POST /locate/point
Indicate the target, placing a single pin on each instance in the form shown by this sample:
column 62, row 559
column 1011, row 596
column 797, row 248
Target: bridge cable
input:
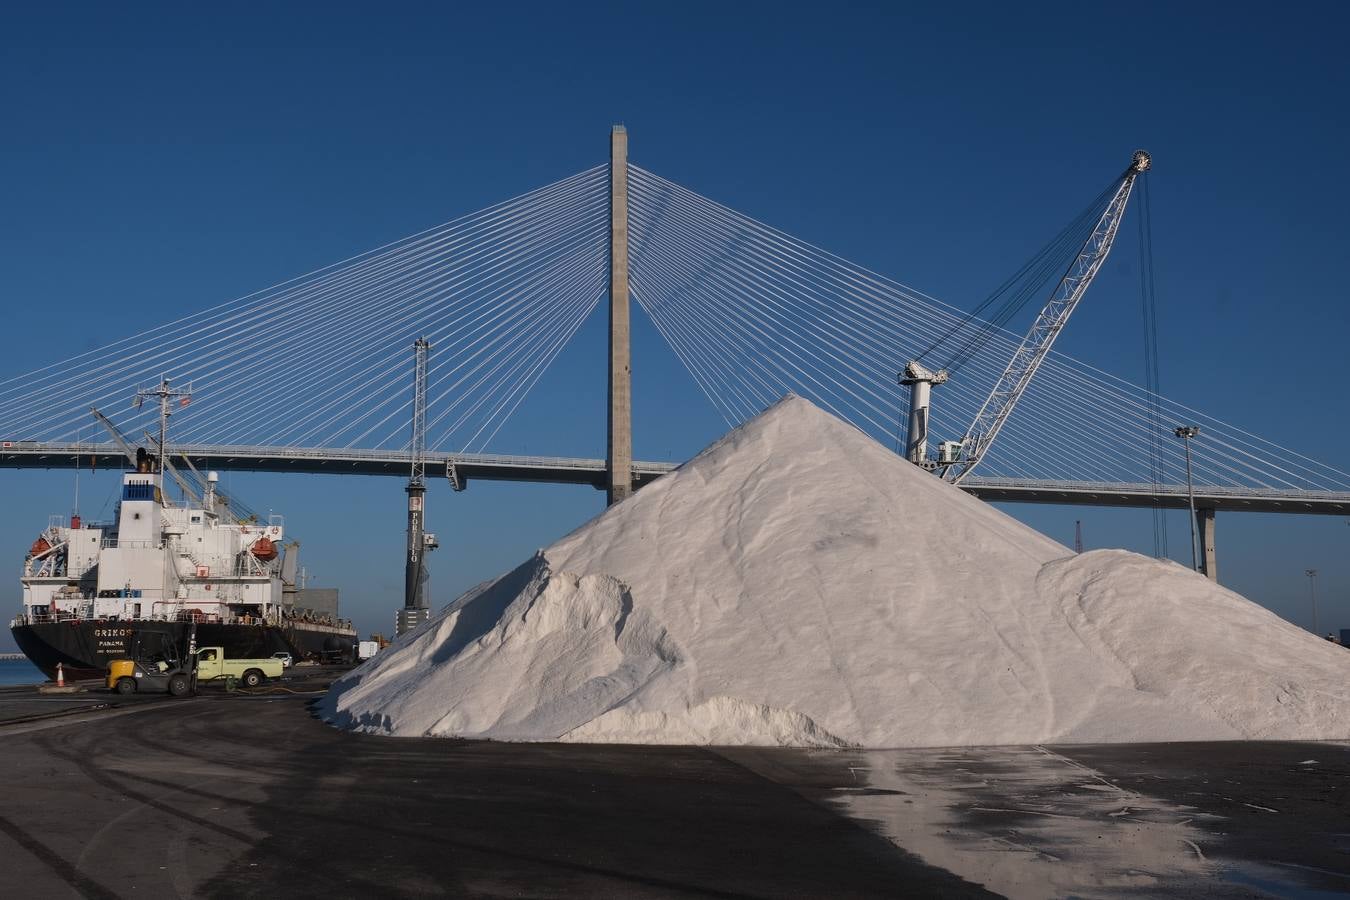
column 751, row 312
column 1152, row 378
column 1024, row 285
column 658, row 319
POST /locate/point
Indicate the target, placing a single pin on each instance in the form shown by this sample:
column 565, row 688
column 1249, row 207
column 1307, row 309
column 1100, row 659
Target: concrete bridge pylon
column 619, row 456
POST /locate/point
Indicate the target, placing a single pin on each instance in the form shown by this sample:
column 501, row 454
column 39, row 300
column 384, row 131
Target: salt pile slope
column 797, row 583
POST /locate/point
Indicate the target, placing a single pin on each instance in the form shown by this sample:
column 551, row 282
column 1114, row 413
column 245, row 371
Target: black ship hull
column 84, row 648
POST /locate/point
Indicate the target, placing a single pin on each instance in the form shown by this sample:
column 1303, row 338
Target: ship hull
column 84, row 648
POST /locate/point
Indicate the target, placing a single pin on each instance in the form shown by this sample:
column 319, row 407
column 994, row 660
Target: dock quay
column 239, row 794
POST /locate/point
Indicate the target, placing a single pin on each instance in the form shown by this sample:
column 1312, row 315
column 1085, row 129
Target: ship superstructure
column 158, row 561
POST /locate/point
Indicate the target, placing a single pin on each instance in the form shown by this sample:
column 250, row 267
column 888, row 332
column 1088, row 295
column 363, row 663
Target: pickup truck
column 211, row 663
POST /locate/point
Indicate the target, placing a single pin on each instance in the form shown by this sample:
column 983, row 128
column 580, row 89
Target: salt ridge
column 799, row 584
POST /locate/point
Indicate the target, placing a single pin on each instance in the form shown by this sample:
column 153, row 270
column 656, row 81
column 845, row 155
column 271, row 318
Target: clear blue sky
column 160, row 159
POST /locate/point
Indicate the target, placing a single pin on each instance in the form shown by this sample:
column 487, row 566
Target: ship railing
column 47, row 618
column 72, row 573
column 37, row 618
column 44, row 567
column 114, row 543
column 205, row 618
column 317, row 625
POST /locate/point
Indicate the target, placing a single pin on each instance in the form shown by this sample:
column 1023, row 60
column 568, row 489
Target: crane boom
column 116, row 435
column 1034, row 347
column 238, row 512
column 178, row 479
column 130, row 452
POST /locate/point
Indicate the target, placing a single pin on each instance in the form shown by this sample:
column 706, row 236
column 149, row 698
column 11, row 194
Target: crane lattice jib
column 418, row 444
column 1034, row 347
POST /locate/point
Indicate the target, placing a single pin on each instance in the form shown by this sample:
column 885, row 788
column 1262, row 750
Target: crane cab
column 949, row 453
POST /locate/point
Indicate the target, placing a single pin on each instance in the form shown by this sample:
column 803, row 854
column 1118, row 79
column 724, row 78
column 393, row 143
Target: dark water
column 19, row 671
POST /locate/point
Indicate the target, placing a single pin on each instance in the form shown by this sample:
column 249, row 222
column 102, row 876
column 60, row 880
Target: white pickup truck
column 211, row 663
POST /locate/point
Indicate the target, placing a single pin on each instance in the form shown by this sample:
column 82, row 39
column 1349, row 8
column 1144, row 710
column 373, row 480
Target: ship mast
column 165, row 395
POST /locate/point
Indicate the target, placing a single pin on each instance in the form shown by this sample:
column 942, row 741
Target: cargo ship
column 88, row 587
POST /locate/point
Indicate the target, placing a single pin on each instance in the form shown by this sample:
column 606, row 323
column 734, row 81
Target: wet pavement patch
column 1212, row 819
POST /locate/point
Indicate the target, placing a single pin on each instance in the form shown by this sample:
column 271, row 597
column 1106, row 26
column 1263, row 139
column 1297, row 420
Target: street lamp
column 1312, row 592
column 1186, row 432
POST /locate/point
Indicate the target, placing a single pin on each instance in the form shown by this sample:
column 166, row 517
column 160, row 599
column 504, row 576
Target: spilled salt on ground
column 797, row 583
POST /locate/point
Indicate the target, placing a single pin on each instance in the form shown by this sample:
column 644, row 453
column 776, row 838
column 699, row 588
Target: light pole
column 1312, row 593
column 1186, row 432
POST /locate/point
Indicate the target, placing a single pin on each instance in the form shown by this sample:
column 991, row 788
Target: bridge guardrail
column 1127, row 487
column 34, row 448
column 1033, row 490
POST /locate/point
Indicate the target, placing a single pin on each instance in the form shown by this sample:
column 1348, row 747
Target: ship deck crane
column 213, row 499
column 132, row 456
column 957, row 459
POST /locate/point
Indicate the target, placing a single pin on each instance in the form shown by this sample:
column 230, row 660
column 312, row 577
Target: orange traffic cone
column 60, row 676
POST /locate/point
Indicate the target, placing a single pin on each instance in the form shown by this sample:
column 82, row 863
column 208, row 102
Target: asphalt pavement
column 249, row 795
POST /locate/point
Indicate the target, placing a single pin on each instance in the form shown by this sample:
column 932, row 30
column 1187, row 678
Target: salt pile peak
column 797, row 583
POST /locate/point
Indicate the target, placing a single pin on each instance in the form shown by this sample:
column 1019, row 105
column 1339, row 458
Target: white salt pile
column 797, row 583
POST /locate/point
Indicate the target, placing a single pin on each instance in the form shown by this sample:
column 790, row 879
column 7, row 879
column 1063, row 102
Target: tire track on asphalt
column 106, row 780
column 54, row 861
column 437, row 841
column 349, row 880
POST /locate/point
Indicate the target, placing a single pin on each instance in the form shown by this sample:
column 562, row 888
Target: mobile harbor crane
column 956, row 459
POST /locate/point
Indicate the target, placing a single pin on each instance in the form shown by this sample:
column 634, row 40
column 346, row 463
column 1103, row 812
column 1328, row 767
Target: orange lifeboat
column 264, row 549
column 40, row 546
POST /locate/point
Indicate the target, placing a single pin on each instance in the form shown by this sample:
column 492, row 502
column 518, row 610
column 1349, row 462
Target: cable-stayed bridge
column 314, row 374
column 460, row 468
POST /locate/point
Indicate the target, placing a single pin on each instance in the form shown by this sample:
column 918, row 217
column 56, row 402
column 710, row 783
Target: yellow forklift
column 157, row 664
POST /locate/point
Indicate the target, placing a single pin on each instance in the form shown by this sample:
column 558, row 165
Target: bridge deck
column 562, row 470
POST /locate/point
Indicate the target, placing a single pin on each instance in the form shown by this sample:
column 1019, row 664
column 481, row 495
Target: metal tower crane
column 415, row 610
column 957, row 459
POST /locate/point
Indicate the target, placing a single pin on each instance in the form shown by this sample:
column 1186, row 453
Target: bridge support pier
column 1209, row 560
column 619, row 458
